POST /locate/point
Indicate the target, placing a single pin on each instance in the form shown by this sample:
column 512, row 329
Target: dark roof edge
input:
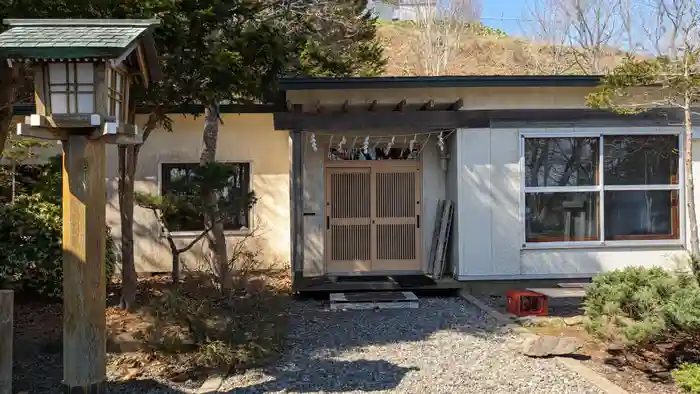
column 82, row 22
column 24, row 109
column 329, row 83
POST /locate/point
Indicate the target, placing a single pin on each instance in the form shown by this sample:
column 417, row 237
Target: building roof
column 330, row 83
column 462, row 81
column 70, row 38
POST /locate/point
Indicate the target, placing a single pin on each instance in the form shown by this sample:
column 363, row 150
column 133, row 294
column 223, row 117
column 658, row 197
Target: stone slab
column 555, row 292
column 545, row 346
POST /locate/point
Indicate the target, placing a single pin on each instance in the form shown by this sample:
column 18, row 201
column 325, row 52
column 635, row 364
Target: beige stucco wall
column 491, row 231
column 242, row 137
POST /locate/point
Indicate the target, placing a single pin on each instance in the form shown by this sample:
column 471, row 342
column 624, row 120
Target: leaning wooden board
column 442, row 241
column 436, row 237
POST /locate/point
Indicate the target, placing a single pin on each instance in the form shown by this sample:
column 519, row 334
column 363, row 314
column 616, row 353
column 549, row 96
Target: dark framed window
column 602, row 188
column 190, row 220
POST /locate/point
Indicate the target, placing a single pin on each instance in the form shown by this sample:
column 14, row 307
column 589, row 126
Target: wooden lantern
column 83, row 72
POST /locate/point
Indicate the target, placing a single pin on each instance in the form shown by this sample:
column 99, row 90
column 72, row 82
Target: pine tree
column 340, row 40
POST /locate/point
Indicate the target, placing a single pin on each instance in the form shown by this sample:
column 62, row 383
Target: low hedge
column 641, row 306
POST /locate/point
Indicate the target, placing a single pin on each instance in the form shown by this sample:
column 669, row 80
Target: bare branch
column 440, row 29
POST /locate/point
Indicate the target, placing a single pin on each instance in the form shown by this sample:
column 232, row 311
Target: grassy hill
column 483, row 51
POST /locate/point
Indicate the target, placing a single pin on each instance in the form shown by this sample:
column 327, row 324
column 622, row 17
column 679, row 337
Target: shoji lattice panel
column 397, row 210
column 349, row 219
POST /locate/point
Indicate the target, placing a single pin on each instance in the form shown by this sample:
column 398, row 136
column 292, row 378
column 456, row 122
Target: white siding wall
column 451, row 194
column 489, row 229
column 314, row 220
column 433, row 189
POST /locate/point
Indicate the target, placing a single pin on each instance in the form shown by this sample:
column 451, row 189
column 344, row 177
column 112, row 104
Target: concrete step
column 373, row 300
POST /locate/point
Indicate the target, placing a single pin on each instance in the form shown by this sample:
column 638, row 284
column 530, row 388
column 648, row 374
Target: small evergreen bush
column 637, row 306
column 688, row 378
column 30, row 238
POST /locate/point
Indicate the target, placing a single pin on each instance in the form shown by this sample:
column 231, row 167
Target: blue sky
column 503, row 12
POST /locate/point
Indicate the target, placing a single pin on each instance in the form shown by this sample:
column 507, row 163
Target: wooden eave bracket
column 136, row 50
column 107, row 130
column 141, row 59
column 116, row 133
column 430, row 104
column 25, row 130
column 456, row 105
column 68, row 122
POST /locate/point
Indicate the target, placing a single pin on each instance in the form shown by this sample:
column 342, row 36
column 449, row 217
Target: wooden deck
column 380, row 283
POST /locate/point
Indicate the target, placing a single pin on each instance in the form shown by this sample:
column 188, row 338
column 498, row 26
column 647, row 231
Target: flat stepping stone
column 373, row 300
column 545, row 346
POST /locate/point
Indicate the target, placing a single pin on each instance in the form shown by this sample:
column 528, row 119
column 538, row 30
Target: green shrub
column 636, row 306
column 30, row 241
column 688, row 378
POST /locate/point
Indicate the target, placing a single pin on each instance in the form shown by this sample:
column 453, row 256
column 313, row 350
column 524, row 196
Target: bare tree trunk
column 176, row 269
column 689, row 184
column 127, row 169
column 174, row 252
column 128, row 159
column 6, row 325
column 216, row 238
column 7, row 96
column 14, row 181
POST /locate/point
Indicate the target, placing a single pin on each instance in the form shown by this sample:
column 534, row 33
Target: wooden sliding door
column 348, row 220
column 373, row 217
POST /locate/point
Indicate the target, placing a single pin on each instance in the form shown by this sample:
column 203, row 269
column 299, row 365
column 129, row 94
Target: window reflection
column 561, row 161
column 640, row 214
column 556, row 217
column 641, row 160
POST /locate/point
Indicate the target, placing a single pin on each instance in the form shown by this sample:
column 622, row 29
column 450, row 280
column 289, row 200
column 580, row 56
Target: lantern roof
column 80, row 39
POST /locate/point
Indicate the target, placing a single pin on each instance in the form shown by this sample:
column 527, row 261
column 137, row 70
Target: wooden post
column 6, row 319
column 84, row 293
column 297, row 202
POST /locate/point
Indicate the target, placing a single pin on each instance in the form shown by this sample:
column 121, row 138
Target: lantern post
column 83, row 72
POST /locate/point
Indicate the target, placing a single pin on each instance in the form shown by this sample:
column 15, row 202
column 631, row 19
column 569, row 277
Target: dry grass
column 186, row 334
column 483, row 54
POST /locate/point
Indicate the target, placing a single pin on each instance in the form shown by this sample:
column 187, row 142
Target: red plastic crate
column 526, row 303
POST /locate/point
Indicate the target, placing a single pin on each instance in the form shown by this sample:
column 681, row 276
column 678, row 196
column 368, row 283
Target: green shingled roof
column 70, row 38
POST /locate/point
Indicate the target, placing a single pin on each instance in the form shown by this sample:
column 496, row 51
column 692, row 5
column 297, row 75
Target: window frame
column 601, row 188
column 71, row 88
column 251, row 211
column 115, row 96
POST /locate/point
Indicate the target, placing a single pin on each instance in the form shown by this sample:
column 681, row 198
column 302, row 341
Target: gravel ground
column 445, row 346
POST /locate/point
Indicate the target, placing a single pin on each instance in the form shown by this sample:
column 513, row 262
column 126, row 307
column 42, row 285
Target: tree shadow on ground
column 317, row 338
column 145, row 386
column 360, row 375
column 307, row 360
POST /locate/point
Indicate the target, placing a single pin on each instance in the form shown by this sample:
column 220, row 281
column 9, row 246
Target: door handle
column 328, row 222
column 418, row 221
